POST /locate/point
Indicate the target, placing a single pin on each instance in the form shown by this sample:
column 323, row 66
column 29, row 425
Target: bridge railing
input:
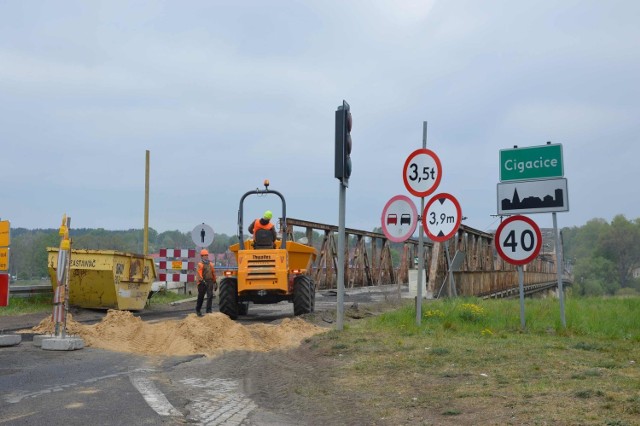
column 368, row 261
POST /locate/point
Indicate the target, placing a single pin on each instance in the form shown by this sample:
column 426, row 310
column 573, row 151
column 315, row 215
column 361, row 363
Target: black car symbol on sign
column 405, row 218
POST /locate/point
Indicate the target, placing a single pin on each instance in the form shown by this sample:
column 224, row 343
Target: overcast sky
column 226, row 94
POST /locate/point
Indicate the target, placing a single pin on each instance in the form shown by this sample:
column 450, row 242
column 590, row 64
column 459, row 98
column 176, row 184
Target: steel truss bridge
column 368, row 262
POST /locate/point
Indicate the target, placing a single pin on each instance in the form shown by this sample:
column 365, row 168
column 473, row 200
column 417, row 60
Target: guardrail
column 528, row 289
column 29, row 290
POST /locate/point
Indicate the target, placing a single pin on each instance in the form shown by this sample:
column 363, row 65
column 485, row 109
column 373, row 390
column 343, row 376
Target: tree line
column 604, row 257
column 28, row 255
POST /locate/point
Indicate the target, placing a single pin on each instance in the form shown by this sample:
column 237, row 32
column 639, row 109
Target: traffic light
column 343, row 143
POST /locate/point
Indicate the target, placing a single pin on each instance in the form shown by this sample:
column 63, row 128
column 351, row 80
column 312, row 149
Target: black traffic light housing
column 343, row 143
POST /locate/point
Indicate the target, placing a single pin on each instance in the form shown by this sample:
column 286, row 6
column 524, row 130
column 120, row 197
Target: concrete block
column 10, row 339
column 413, row 283
column 62, row 344
column 37, row 338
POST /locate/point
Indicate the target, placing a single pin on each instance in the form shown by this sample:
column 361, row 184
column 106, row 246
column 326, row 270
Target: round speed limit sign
column 518, row 240
column 422, row 172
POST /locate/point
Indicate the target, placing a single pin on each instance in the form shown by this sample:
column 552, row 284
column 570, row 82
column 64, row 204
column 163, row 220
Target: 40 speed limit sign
column 518, row 240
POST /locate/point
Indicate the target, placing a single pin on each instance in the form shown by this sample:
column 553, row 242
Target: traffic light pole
column 341, row 250
column 342, row 172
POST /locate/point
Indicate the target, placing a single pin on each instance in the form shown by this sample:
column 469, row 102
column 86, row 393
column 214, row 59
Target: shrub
column 471, row 312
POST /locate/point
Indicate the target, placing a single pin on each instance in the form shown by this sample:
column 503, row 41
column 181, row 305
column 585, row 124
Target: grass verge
column 43, row 303
column 470, row 363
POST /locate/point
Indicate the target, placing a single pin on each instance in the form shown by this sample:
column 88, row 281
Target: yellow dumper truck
column 268, row 275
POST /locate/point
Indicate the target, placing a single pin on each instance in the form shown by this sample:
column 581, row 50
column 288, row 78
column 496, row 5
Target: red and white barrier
column 177, row 265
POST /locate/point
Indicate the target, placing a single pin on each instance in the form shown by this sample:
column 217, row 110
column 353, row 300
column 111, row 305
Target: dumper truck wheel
column 304, row 294
column 228, row 294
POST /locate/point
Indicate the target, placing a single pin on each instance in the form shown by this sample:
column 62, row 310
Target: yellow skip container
column 106, row 279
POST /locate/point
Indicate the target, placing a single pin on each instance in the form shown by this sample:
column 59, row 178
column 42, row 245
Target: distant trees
column 28, row 254
column 605, row 256
column 28, row 258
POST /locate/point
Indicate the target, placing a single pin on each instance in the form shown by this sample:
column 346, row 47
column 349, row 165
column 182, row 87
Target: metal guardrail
column 528, row 289
column 29, row 290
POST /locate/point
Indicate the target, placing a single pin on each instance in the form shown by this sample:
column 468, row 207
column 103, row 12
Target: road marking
column 154, row 397
column 17, row 398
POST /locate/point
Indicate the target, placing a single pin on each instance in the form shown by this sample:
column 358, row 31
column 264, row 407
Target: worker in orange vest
column 206, row 282
column 264, row 233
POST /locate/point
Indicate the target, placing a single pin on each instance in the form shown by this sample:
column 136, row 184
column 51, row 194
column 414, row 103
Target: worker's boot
column 198, row 313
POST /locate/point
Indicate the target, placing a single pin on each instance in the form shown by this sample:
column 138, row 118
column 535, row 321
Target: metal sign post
column 518, row 241
column 421, row 173
column 421, row 242
column 559, row 270
column 521, row 287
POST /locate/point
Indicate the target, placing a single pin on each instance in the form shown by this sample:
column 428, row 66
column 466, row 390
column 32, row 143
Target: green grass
column 26, row 305
column 470, row 359
column 614, row 318
column 43, row 303
column 164, row 297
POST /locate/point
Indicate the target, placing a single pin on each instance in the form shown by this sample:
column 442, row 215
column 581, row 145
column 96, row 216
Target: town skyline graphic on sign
column 532, row 202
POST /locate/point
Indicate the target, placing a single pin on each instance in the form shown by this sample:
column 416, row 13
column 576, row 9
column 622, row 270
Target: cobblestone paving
column 219, row 403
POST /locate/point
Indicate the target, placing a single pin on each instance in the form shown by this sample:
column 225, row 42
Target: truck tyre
column 304, row 295
column 229, row 297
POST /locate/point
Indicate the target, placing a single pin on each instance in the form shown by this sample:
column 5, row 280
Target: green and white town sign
column 530, row 163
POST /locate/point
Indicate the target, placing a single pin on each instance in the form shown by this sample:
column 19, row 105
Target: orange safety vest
column 257, row 225
column 201, row 270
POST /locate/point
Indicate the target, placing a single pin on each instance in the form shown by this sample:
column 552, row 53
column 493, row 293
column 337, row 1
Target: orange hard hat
column 204, row 252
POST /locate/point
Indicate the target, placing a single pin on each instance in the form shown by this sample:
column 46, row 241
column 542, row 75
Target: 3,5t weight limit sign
column 422, row 172
column 518, row 240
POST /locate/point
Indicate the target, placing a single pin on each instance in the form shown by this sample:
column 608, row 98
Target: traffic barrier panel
column 4, row 290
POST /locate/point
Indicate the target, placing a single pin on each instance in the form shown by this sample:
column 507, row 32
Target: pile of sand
column 210, row 335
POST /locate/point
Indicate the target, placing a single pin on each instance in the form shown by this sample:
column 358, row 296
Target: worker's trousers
column 205, row 288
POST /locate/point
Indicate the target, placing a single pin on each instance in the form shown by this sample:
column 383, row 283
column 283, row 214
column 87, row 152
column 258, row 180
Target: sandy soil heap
column 210, row 335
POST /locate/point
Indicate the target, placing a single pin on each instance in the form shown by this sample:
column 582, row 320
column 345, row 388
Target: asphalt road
column 99, row 387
